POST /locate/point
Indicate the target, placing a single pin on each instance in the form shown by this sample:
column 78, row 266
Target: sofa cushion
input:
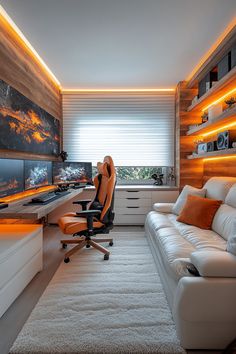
column 218, row 187
column 231, row 243
column 199, row 211
column 183, row 197
column 224, row 221
column 231, row 197
column 214, row 263
column 156, row 221
column 172, row 245
column 199, row 238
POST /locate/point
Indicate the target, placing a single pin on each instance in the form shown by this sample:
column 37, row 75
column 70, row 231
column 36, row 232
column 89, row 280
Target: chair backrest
column 105, row 182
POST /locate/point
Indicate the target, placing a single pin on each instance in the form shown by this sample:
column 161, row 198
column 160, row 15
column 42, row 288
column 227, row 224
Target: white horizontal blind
column 135, row 129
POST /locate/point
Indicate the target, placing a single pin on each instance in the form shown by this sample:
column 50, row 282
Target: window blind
column 135, row 129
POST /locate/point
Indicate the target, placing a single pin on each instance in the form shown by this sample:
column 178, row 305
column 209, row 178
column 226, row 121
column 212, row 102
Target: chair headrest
column 103, row 169
column 106, row 168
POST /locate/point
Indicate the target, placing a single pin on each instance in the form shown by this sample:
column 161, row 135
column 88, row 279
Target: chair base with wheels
column 86, row 242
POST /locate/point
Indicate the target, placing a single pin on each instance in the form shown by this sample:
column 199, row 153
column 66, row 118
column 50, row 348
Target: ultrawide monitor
column 11, row 177
column 72, row 172
column 37, row 174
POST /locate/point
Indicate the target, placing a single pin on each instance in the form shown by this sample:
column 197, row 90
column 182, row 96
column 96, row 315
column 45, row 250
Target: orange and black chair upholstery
column 98, row 219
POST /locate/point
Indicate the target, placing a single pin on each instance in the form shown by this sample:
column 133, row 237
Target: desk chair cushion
column 69, row 224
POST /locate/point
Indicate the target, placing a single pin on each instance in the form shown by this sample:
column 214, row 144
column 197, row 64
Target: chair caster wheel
column 64, row 246
column 67, row 260
column 106, row 257
column 87, row 246
column 111, row 243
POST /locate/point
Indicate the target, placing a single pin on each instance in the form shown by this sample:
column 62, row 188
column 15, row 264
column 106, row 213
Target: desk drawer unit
column 132, row 206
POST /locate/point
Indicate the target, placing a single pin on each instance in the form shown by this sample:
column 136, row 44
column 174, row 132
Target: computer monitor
column 72, row 172
column 37, row 174
column 11, row 177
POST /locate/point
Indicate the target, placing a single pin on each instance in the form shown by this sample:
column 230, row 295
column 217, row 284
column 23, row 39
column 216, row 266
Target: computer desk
column 17, row 210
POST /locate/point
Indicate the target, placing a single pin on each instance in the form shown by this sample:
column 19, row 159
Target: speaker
column 225, row 139
column 202, row 148
column 211, row 146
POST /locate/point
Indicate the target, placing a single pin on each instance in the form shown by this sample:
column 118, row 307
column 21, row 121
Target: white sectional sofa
column 20, row 259
column 203, row 307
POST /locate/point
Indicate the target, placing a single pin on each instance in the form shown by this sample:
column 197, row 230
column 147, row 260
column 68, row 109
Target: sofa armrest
column 214, row 263
column 163, row 207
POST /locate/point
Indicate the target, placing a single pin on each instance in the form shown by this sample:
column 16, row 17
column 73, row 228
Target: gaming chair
column 98, row 219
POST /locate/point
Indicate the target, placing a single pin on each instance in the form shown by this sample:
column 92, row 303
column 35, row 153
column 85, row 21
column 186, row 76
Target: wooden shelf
column 227, row 83
column 218, row 153
column 227, row 117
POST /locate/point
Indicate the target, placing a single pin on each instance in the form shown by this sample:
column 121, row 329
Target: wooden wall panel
column 23, row 71
column 222, row 167
column 188, row 171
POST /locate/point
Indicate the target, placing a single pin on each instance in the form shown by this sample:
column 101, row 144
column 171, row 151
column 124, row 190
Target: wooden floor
column 14, row 318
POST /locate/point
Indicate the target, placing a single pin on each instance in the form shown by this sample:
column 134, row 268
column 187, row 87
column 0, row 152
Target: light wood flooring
column 15, row 317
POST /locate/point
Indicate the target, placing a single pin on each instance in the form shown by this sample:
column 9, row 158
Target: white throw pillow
column 183, row 197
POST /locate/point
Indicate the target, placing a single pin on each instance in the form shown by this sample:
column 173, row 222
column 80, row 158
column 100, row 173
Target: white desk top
column 17, row 210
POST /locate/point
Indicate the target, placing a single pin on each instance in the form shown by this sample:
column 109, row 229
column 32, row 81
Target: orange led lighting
column 219, row 99
column 219, row 129
column 23, row 39
column 212, row 48
column 219, row 158
column 118, row 90
column 25, row 194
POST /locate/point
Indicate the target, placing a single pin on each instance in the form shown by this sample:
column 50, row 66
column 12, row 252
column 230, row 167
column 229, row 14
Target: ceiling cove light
column 212, row 48
column 118, row 90
column 219, row 99
column 19, row 35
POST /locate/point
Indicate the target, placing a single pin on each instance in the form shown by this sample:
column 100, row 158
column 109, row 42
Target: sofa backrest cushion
column 218, row 187
column 231, row 197
column 224, row 221
column 178, row 206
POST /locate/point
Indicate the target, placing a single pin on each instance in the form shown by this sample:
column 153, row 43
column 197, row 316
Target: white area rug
column 96, row 306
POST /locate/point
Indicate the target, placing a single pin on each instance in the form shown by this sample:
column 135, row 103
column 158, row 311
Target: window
column 136, row 129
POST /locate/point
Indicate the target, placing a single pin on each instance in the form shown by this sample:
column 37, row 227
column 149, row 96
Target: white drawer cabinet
column 133, row 204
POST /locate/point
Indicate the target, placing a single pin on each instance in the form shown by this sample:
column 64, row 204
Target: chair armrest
column 88, row 213
column 83, row 203
column 163, row 207
column 214, row 263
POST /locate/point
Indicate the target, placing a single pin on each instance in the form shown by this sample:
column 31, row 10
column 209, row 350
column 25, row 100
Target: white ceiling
column 121, row 43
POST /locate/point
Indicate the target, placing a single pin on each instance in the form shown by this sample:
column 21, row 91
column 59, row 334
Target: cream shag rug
column 96, row 306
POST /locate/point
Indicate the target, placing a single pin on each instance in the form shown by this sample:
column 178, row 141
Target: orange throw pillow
column 199, row 211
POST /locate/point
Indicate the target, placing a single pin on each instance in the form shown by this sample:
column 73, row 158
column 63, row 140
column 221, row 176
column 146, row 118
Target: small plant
column 63, row 155
column 204, row 117
column 230, row 102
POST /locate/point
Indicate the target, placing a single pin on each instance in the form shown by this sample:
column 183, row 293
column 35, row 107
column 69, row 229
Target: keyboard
column 48, row 198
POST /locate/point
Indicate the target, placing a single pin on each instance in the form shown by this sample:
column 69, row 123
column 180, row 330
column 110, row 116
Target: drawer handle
column 132, row 191
column 132, row 207
column 133, row 198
